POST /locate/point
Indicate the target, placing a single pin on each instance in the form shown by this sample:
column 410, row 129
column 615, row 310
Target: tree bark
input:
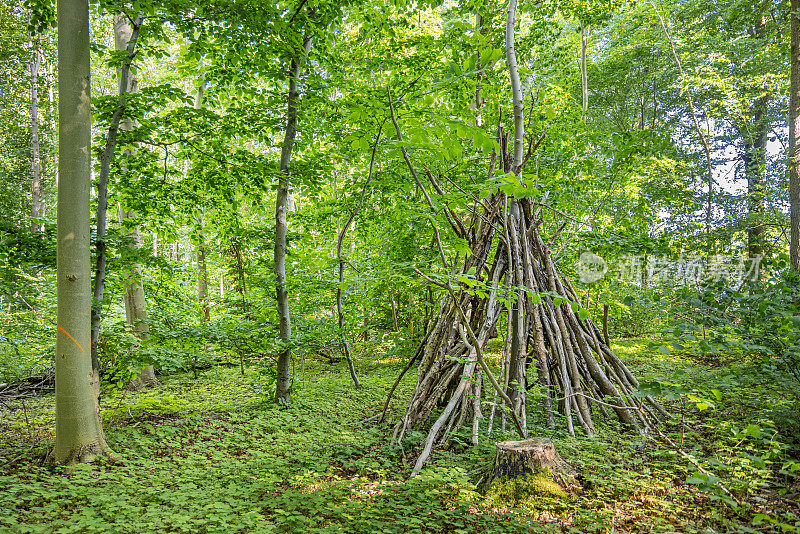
column 794, row 131
column 202, row 268
column 283, row 383
column 79, row 434
column 202, row 279
column 584, row 75
column 37, row 196
column 135, row 302
column 516, row 89
column 51, row 82
column 755, row 162
column 106, row 157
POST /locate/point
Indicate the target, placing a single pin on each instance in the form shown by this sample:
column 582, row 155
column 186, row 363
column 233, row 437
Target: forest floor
column 214, row 455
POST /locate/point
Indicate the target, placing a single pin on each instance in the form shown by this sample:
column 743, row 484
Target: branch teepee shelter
column 577, row 371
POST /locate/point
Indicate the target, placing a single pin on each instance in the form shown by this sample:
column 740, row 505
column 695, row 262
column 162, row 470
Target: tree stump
column 516, row 458
column 536, row 463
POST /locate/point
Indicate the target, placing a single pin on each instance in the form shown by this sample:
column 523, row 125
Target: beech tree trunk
column 37, row 196
column 202, row 278
column 106, row 157
column 51, row 82
column 202, row 268
column 585, row 76
column 79, row 434
column 794, row 132
column 135, row 302
column 755, row 161
column 284, row 380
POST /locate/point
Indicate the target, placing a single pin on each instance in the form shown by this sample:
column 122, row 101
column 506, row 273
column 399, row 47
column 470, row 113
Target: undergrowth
column 214, row 455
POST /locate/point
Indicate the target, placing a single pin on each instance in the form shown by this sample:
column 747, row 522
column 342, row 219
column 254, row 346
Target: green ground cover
column 213, row 455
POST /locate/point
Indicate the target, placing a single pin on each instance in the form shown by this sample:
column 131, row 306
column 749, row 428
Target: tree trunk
column 794, row 132
column 79, row 434
column 106, row 157
column 135, row 302
column 202, row 279
column 51, row 82
column 584, row 75
column 516, row 89
column 393, row 302
column 755, row 163
column 37, row 196
column 283, row 385
column 202, row 268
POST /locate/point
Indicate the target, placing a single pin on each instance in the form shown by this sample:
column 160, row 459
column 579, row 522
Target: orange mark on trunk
column 72, row 338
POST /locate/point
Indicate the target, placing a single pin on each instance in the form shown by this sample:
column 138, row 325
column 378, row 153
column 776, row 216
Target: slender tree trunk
column 135, row 303
column 393, row 302
column 202, row 279
column 584, row 75
column 202, row 268
column 754, row 159
column 482, row 30
column 37, row 196
column 794, row 132
column 106, row 157
column 51, row 82
column 517, row 377
column 283, row 385
column 755, row 162
column 516, row 89
column 79, row 434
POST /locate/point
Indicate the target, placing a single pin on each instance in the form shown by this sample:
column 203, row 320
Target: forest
column 440, row 266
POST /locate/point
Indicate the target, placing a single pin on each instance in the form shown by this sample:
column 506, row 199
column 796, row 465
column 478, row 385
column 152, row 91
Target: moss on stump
column 528, row 474
column 526, row 492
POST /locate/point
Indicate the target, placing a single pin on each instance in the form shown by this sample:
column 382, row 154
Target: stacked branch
column 549, row 347
column 29, row 386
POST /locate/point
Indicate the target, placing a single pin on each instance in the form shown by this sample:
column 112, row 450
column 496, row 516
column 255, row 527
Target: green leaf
column 752, row 430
